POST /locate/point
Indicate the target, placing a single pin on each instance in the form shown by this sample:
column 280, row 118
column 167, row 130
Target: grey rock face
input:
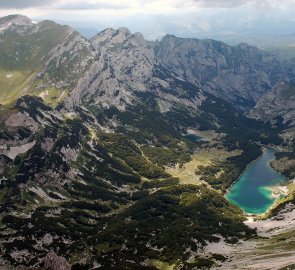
column 51, row 262
column 124, row 64
column 54, row 262
column 241, row 73
column 110, row 68
column 16, row 22
column 280, row 101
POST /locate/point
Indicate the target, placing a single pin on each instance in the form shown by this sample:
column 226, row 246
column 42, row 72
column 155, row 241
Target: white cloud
column 20, row 4
column 125, row 8
column 185, row 17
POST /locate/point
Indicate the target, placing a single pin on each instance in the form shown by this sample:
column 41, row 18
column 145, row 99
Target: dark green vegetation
column 285, row 163
column 164, row 224
column 167, row 155
column 80, row 189
column 96, row 200
column 230, row 169
column 125, row 150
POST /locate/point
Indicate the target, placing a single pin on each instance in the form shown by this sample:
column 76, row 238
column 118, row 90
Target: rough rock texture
column 54, row 262
column 51, row 262
column 71, row 56
column 124, row 63
column 109, row 68
column 240, row 74
column 20, row 119
column 280, row 101
column 17, row 22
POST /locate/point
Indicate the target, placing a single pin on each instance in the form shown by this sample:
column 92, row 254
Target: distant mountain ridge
column 239, row 74
column 55, row 62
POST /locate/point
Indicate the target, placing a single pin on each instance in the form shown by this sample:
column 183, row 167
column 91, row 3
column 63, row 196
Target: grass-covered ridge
column 44, row 59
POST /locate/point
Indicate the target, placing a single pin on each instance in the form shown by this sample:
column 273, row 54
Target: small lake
column 193, row 137
column 252, row 191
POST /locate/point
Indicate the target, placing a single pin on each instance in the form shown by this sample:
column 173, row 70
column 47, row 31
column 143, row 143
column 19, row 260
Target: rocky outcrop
column 124, row 64
column 51, row 262
column 109, row 68
column 54, row 262
column 18, row 23
column 21, row 119
column 279, row 102
column 240, row 74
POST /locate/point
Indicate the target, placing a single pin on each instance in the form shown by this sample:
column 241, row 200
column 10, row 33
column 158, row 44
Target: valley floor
column 206, row 157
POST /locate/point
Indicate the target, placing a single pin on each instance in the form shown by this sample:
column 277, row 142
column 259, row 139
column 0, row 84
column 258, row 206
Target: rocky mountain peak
column 240, row 74
column 13, row 21
column 112, row 37
column 124, row 30
column 16, row 19
column 124, row 62
column 168, row 36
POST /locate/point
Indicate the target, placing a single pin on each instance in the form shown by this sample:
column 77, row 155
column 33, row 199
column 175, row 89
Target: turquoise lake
column 251, row 192
column 193, row 137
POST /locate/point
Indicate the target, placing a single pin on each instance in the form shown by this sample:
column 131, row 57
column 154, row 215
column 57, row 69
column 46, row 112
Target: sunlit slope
column 35, row 59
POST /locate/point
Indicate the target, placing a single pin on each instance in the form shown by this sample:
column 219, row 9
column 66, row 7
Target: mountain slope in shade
column 277, row 105
column 99, row 192
column 240, row 74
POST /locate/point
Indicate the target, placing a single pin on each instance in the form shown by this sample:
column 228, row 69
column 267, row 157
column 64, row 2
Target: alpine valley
column 119, row 153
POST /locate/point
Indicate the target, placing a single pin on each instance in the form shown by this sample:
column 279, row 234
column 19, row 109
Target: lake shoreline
column 249, row 164
column 260, row 192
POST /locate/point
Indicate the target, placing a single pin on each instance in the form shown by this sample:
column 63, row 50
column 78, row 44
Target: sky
column 229, row 20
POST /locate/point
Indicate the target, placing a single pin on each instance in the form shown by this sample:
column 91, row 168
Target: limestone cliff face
column 110, row 68
column 240, row 74
column 125, row 64
column 279, row 102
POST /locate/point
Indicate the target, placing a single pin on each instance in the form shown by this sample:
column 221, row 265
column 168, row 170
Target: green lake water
column 193, row 137
column 251, row 192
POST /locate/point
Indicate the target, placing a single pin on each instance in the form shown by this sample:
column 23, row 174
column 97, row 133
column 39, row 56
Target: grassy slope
column 186, row 172
column 13, row 84
column 22, row 56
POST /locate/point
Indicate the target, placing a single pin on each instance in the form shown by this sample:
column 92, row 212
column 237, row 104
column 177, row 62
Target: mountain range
column 92, row 131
